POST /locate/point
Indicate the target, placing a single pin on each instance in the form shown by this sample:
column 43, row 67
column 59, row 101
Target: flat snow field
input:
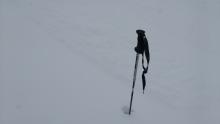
column 72, row 61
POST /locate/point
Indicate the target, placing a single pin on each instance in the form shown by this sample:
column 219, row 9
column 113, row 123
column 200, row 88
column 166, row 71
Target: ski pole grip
column 140, row 43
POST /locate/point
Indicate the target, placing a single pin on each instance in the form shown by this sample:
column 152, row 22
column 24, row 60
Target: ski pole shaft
column 134, row 79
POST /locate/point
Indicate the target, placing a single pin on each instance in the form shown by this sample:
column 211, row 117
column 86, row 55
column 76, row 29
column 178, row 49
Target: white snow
column 72, row 61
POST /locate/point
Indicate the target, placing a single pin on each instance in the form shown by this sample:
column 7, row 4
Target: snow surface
column 71, row 61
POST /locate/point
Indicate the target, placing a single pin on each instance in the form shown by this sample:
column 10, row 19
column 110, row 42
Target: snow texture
column 72, row 61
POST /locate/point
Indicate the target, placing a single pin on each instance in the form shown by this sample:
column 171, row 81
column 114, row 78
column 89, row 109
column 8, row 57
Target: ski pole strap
column 145, row 70
column 143, row 48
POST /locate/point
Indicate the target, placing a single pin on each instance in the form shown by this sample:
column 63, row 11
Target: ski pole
column 134, row 79
column 139, row 49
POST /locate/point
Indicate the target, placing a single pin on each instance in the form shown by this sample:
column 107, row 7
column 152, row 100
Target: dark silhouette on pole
column 141, row 48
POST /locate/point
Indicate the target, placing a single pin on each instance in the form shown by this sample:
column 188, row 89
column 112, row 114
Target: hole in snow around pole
column 125, row 110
